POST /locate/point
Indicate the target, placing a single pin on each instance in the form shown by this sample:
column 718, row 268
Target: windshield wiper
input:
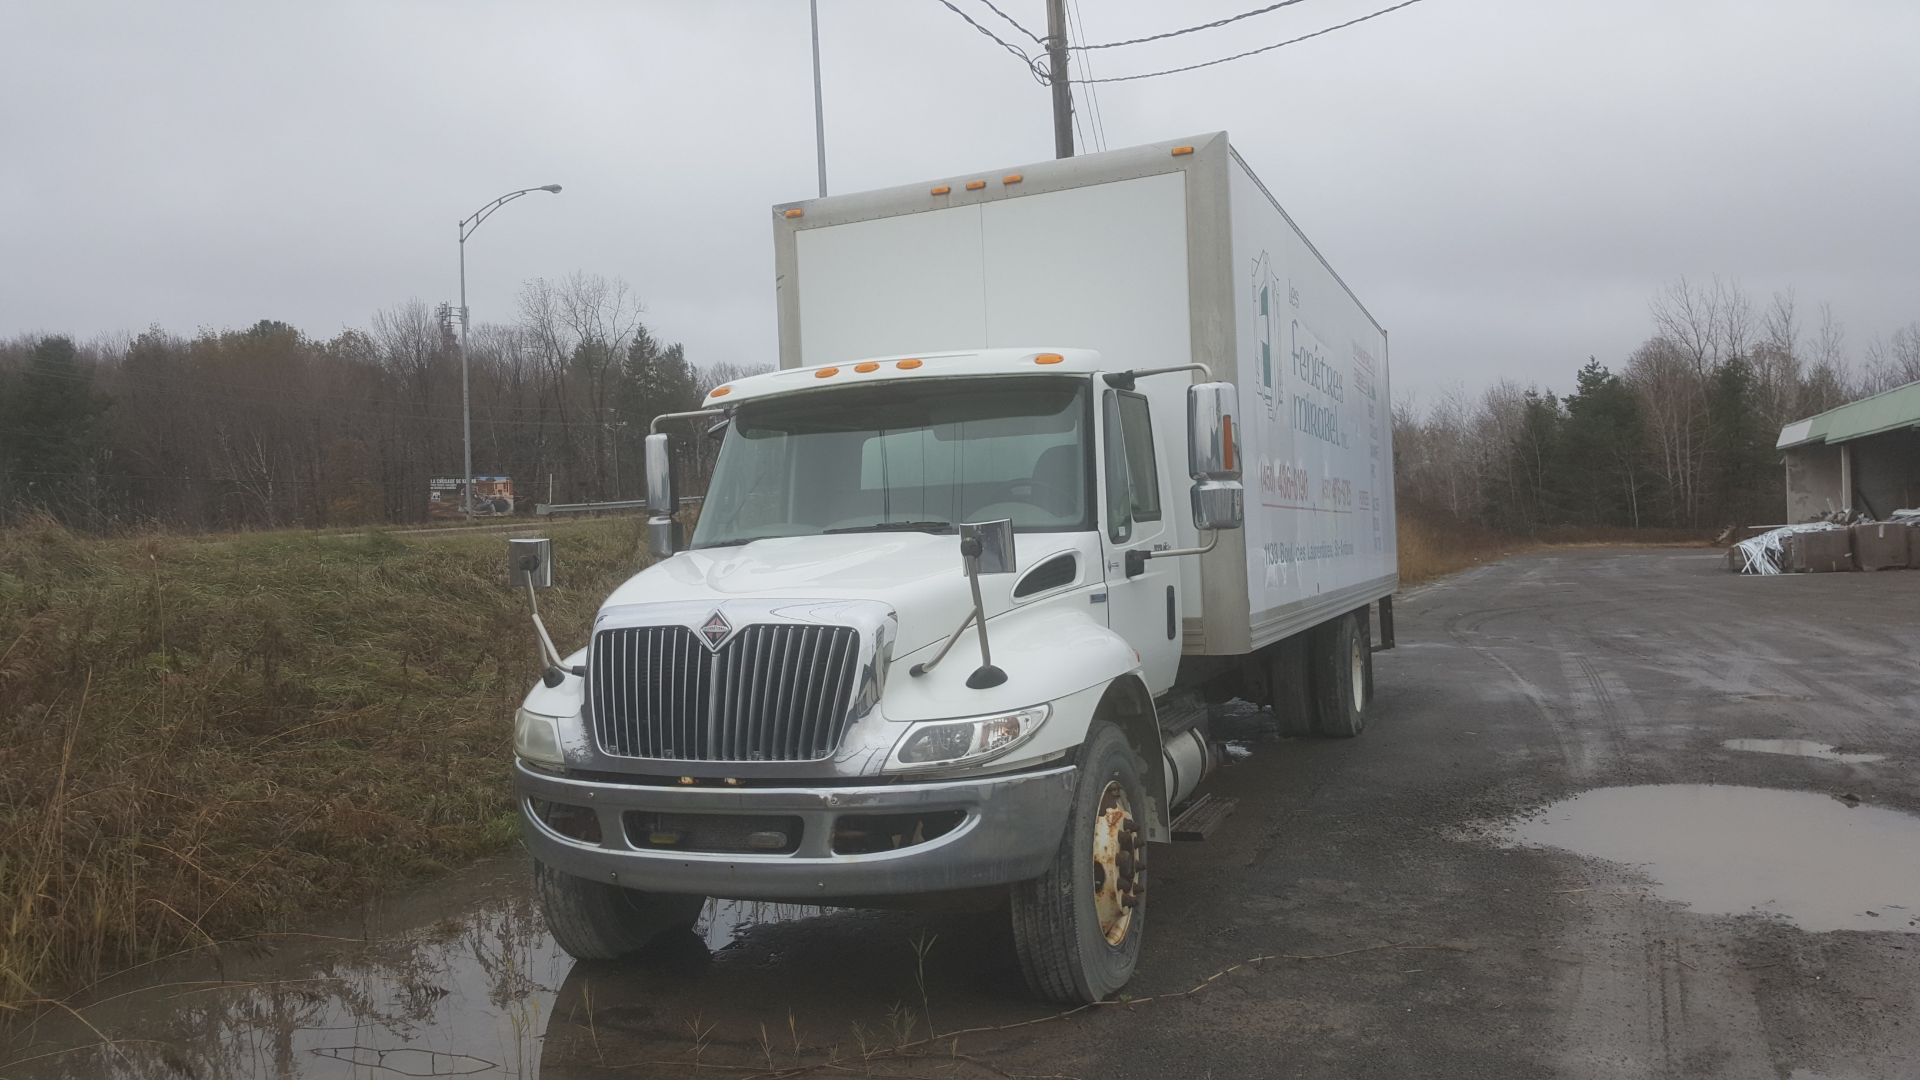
column 894, row 526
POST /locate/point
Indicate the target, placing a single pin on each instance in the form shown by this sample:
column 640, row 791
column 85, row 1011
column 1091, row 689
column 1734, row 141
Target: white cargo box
column 1154, row 256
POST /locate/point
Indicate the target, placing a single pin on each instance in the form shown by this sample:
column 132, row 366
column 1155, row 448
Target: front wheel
column 1077, row 928
column 595, row 920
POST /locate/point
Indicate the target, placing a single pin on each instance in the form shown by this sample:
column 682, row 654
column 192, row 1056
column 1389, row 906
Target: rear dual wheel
column 1342, row 676
column 1077, row 928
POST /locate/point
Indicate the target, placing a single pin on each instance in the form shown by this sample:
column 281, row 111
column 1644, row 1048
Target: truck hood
column 918, row 574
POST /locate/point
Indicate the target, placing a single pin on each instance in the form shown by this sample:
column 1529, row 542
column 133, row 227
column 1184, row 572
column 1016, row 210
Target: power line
column 1032, row 65
column 1249, row 52
column 1095, row 118
column 1190, row 29
column 1035, row 38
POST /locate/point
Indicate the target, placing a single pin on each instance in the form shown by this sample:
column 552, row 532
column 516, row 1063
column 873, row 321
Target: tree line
column 267, row 427
column 1682, row 436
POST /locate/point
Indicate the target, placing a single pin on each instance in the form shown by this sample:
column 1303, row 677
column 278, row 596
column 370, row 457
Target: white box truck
column 1055, row 457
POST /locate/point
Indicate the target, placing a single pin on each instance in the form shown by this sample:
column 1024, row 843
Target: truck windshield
column 918, row 455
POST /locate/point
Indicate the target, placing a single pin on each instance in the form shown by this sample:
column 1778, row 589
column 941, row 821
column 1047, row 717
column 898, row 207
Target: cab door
column 1143, row 601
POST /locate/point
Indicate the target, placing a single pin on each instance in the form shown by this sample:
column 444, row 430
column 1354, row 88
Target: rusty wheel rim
column 1119, row 863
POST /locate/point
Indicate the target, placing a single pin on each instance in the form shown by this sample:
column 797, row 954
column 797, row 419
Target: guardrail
column 549, row 509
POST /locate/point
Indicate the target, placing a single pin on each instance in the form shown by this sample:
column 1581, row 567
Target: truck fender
column 1128, row 706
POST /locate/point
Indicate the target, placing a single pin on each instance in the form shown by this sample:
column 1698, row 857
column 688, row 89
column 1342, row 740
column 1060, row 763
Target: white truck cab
column 947, row 621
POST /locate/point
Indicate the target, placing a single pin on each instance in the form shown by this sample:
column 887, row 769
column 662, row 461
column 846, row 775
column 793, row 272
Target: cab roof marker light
column 942, row 189
column 976, row 185
column 863, row 368
column 1048, row 358
column 1182, row 151
column 720, row 391
column 795, row 212
column 1011, row 178
column 826, row 372
column 907, row 365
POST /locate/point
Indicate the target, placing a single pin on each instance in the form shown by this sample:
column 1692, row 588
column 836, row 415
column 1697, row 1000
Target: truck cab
column 814, row 701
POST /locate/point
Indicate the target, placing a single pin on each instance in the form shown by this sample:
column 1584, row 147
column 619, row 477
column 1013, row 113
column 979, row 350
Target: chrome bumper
column 1011, row 831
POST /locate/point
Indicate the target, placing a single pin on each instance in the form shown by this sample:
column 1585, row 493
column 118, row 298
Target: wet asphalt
column 1410, row 920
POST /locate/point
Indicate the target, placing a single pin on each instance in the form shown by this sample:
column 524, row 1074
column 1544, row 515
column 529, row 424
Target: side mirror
column 660, row 493
column 1213, row 456
column 663, row 528
column 530, row 563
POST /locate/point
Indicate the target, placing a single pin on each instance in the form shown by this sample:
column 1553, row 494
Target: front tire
column 595, row 920
column 1078, row 927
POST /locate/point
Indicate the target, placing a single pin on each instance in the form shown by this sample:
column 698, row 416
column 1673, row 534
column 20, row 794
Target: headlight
column 962, row 742
column 536, row 738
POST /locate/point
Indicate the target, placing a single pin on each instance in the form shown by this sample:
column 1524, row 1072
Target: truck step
column 1201, row 817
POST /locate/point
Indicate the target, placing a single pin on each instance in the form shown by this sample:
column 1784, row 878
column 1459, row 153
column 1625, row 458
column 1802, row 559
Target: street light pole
column 467, row 226
column 819, row 114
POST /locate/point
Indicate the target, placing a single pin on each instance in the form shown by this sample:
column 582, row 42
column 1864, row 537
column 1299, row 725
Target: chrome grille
column 773, row 692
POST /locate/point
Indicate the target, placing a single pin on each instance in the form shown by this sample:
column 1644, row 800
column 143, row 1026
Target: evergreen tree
column 50, row 437
column 1601, row 447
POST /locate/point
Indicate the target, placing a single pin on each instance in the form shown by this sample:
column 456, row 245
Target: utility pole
column 819, row 114
column 1057, row 76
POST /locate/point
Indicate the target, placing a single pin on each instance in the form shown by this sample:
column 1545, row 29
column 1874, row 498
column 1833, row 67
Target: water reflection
column 415, row 991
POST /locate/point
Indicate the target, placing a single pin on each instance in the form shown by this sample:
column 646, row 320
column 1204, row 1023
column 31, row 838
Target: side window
column 1119, row 509
column 1143, row 473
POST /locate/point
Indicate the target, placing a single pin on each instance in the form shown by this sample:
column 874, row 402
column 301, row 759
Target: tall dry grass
column 207, row 737
column 1433, row 545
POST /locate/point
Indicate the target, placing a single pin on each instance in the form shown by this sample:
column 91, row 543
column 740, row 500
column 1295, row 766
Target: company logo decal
column 716, row 630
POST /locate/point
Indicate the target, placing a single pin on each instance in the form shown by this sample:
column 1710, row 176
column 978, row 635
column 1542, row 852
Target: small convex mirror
column 530, row 561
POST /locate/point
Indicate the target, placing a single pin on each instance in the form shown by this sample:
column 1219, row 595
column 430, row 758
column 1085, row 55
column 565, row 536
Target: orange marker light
column 795, row 212
column 907, row 365
column 976, row 185
column 1182, row 151
column 1226, row 436
column 866, row 367
column 720, row 391
column 942, row 190
column 1011, row 178
column 826, row 373
column 1048, row 358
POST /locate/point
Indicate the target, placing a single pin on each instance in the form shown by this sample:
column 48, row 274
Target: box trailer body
column 1054, row 458
column 1151, row 258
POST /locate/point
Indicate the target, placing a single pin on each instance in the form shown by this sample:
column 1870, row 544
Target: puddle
column 412, row 991
column 725, row 920
column 1801, row 856
column 1801, row 748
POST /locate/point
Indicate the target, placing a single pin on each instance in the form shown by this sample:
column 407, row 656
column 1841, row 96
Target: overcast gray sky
column 1504, row 182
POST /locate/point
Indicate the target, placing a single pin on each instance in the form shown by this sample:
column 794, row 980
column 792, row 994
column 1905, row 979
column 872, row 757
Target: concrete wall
column 1886, row 470
column 1813, row 481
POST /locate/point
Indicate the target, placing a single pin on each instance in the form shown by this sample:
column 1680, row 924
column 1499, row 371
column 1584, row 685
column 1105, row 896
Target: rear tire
column 1340, row 661
column 1077, row 930
column 594, row 920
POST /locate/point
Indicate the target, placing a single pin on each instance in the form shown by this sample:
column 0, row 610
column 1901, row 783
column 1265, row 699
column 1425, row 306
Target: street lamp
column 467, row 226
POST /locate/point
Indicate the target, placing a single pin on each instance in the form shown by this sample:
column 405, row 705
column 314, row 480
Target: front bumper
column 1010, row 832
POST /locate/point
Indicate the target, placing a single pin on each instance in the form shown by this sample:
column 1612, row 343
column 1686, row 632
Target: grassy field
column 209, row 737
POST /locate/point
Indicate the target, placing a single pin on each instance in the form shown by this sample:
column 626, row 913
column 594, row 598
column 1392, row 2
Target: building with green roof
column 1863, row 456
